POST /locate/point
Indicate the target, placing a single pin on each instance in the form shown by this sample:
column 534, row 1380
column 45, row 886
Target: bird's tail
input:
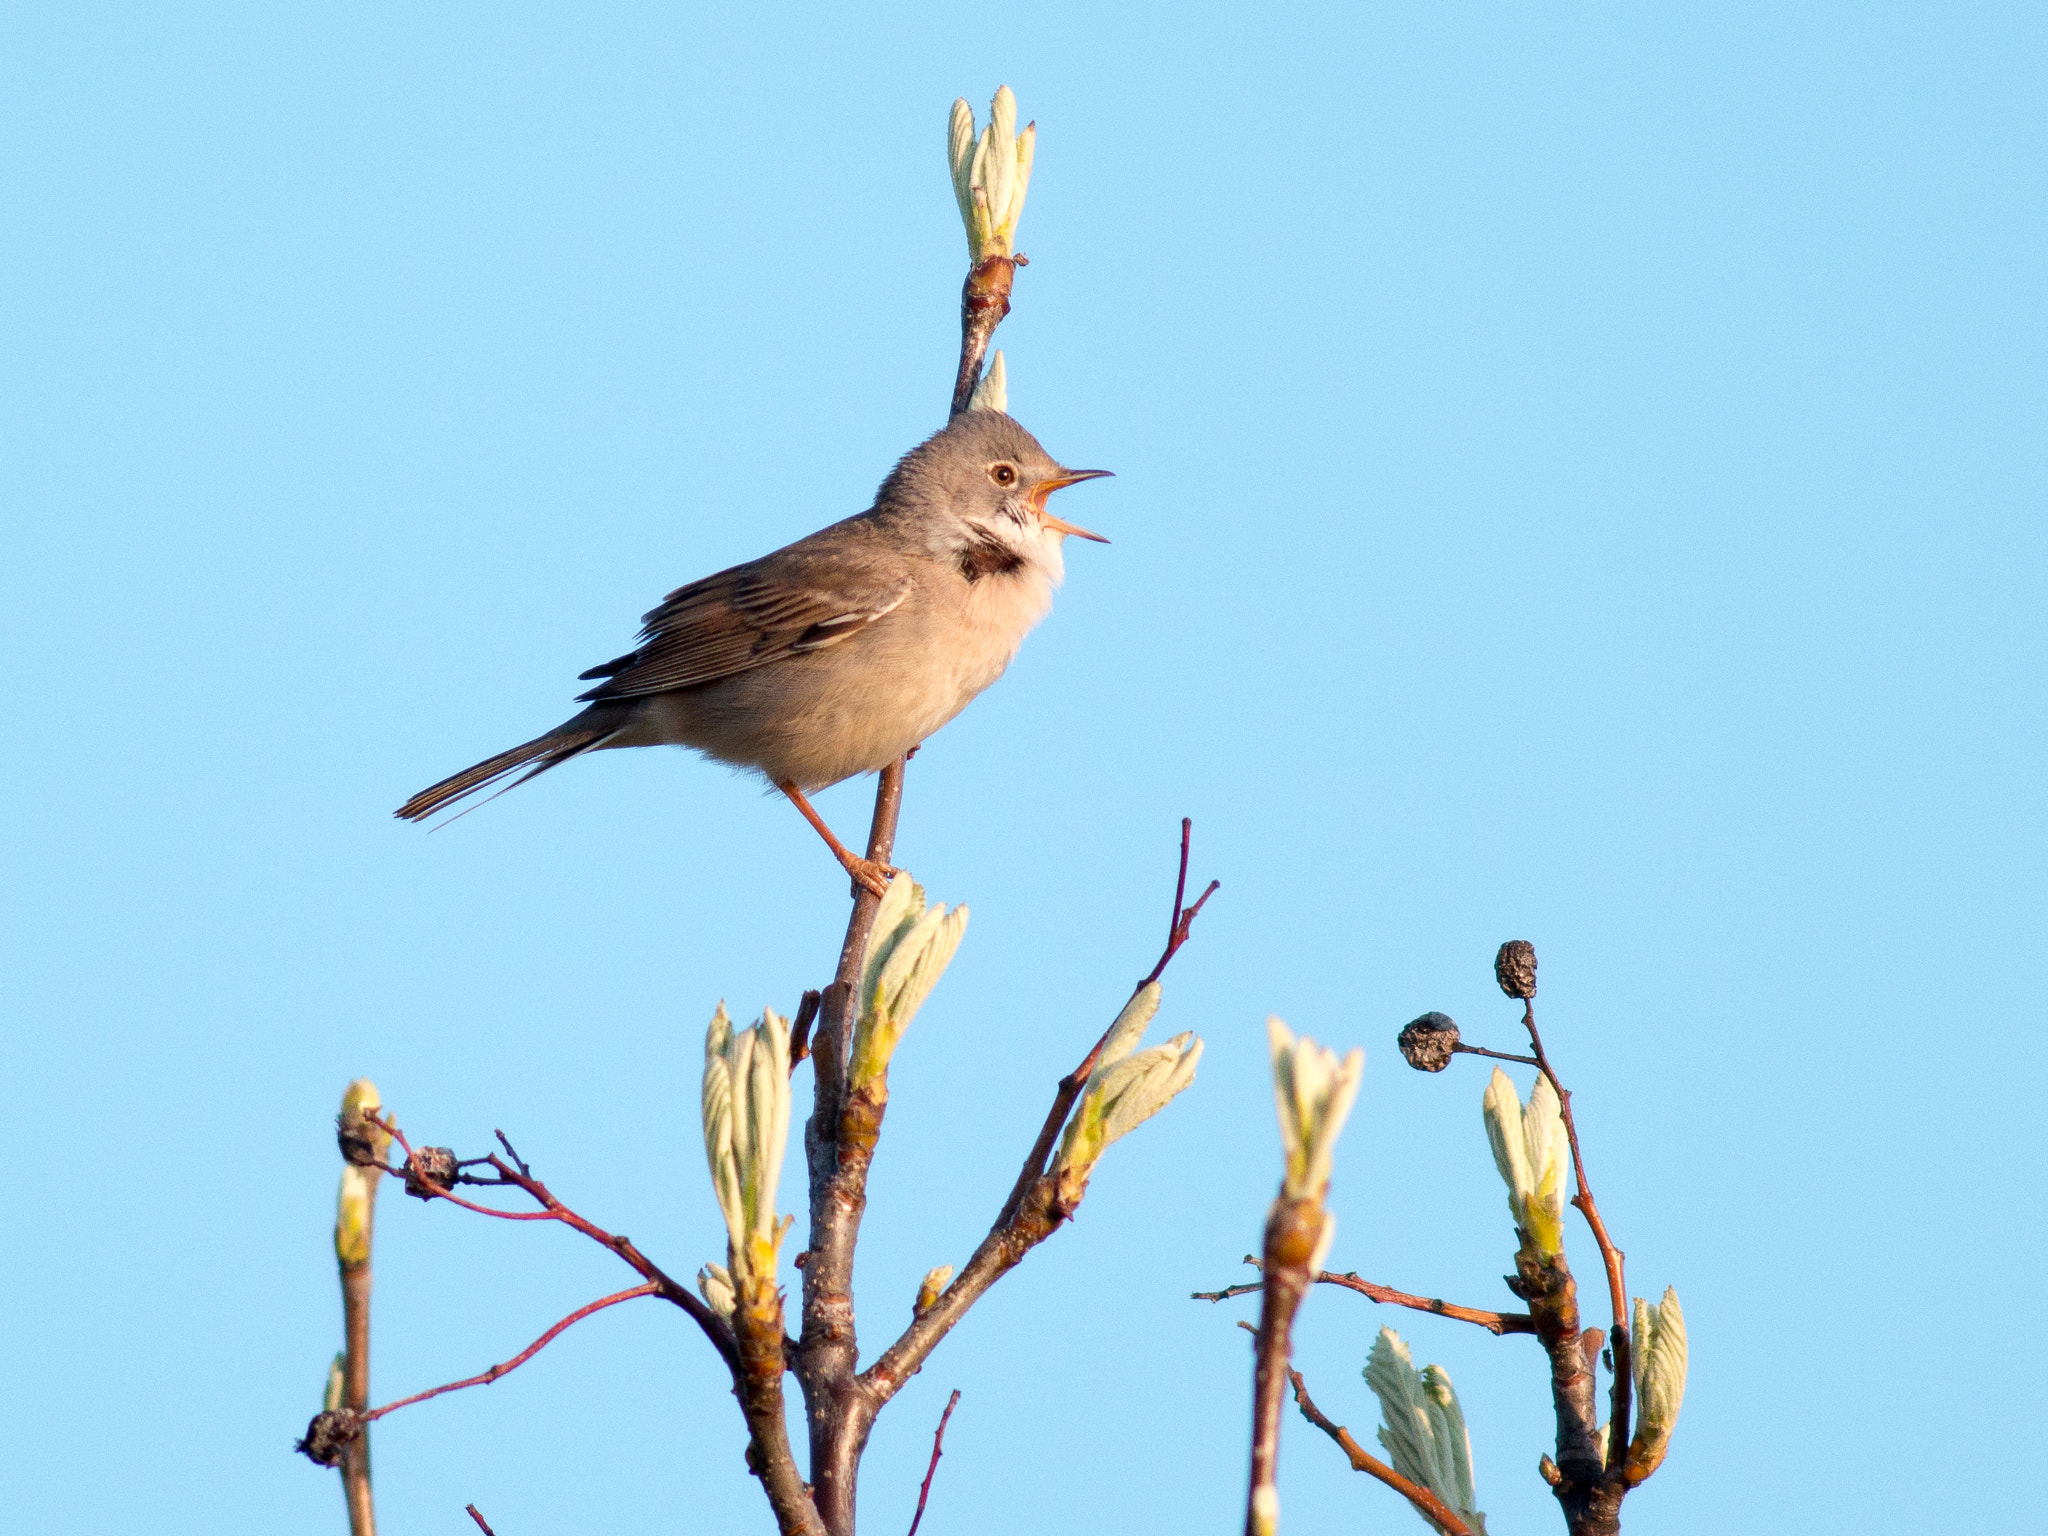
column 565, row 741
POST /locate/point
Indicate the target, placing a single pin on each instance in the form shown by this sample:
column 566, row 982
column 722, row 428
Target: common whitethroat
column 837, row 654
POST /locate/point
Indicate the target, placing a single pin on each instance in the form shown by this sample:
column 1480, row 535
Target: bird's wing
column 815, row 593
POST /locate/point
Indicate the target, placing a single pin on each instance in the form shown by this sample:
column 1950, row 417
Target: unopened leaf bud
column 1515, row 969
column 362, row 1141
column 1427, row 1043
column 934, row 1286
column 328, row 1436
column 430, row 1171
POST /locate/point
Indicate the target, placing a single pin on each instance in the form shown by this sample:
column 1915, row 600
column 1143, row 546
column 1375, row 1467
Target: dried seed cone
column 1426, row 1043
column 328, row 1436
column 429, row 1171
column 1515, row 969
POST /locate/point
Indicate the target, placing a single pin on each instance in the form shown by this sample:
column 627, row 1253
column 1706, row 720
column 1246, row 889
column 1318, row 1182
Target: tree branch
column 938, row 1447
column 1177, row 931
column 1496, row 1323
column 1427, row 1504
column 837, row 1163
column 485, row 1378
column 1610, row 1256
column 1292, row 1229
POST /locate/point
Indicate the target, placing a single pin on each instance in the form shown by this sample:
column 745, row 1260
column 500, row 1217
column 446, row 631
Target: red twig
column 485, row 1378
column 482, row 1524
column 517, row 1175
column 938, row 1447
column 1070, row 1086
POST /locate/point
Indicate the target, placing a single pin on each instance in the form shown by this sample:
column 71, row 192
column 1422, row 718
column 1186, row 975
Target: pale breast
column 816, row 718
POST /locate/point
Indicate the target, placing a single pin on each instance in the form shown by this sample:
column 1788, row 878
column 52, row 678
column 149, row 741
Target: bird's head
column 980, row 487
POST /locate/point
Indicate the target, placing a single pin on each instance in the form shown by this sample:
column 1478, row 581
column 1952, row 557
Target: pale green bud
column 1530, row 1150
column 714, row 1283
column 933, row 1287
column 908, row 951
column 1657, row 1362
column 1265, row 1510
column 992, row 393
column 991, row 174
column 355, row 1212
column 1126, row 1089
column 1425, row 1435
column 1313, row 1092
column 746, row 1129
column 337, row 1377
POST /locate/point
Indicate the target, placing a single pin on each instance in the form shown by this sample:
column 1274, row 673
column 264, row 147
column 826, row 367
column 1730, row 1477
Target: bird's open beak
column 1059, row 482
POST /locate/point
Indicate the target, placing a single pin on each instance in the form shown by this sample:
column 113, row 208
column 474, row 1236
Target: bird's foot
column 874, row 876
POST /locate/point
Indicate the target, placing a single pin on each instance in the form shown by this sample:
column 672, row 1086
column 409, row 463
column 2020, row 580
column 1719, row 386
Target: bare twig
column 984, row 300
column 1610, row 1256
column 1033, row 1211
column 485, row 1378
column 800, row 1030
column 481, row 1523
column 828, row 1349
column 1177, row 931
column 1480, row 1050
column 1292, row 1230
column 1496, row 1323
column 517, row 1175
column 1427, row 1504
column 938, row 1447
column 355, row 1395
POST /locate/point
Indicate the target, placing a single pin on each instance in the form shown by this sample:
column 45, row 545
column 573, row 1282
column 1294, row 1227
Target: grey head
column 974, row 493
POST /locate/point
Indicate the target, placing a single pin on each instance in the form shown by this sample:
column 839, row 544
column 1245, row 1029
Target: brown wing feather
column 798, row 599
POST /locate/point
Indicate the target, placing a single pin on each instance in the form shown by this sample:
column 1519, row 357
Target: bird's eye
column 1003, row 474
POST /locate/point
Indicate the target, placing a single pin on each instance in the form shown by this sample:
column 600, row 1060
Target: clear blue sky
column 1580, row 477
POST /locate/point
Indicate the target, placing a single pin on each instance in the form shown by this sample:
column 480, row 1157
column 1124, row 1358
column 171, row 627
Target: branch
column 481, row 1523
column 1610, row 1256
column 1036, row 1206
column 1496, row 1323
column 938, row 1446
column 828, row 1350
column 1427, row 1504
column 487, row 1377
column 517, row 1175
column 1070, row 1086
column 1292, row 1229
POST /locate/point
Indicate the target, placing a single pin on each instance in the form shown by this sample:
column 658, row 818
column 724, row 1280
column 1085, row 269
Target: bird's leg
column 870, row 874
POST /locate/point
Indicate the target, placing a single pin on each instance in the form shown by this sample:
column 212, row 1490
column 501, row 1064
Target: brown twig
column 355, row 1396
column 1293, row 1229
column 984, row 300
column 1480, row 1050
column 1610, row 1256
column 827, row 1353
column 800, row 1030
column 1178, row 928
column 517, row 1175
column 1033, row 1211
column 1495, row 1323
column 1427, row 1504
column 481, row 1523
column 485, row 1378
column 938, row 1446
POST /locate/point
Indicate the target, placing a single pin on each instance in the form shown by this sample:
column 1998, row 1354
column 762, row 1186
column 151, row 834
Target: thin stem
column 481, row 1523
column 828, row 1348
column 1177, row 932
column 1480, row 1050
column 1496, row 1323
column 355, row 1395
column 1610, row 1256
column 485, row 1378
column 1427, row 1504
column 1292, row 1230
column 938, row 1447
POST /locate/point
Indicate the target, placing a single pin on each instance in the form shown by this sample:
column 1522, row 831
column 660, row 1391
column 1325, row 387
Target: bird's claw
column 874, row 876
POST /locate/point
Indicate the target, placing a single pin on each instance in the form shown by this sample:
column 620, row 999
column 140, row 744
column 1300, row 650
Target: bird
column 841, row 653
